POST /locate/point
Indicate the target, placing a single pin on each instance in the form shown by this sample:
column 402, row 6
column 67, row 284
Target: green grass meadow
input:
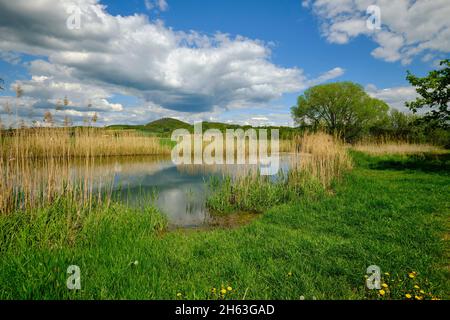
column 390, row 211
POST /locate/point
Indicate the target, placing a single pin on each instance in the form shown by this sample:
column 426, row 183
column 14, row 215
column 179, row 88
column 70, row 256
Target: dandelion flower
column 382, row 292
column 384, row 285
column 223, row 291
column 229, row 288
column 412, row 275
column 408, row 296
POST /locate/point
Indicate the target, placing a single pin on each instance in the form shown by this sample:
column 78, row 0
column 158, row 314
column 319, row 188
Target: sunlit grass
column 387, row 211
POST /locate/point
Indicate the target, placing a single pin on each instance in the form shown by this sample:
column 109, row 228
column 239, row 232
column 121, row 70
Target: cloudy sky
column 135, row 61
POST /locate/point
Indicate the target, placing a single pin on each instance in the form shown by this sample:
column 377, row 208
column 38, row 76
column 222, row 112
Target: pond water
column 180, row 192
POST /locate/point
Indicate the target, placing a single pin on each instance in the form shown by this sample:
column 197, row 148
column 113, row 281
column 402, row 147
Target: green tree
column 401, row 123
column 403, row 126
column 434, row 93
column 342, row 108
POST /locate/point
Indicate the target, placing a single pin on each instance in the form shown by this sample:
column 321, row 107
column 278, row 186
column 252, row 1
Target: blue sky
column 293, row 30
column 232, row 61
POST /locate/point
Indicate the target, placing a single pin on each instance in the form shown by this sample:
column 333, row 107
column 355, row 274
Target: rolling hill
column 165, row 126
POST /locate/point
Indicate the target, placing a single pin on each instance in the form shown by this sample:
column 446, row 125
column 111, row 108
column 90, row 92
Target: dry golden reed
column 78, row 142
column 323, row 157
column 401, row 148
column 36, row 165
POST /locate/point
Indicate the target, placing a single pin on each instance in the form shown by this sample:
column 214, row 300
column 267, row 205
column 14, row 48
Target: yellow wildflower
column 229, row 288
column 412, row 275
column 223, row 291
column 384, row 285
column 179, row 294
column 382, row 292
column 408, row 296
column 416, row 287
column 418, row 297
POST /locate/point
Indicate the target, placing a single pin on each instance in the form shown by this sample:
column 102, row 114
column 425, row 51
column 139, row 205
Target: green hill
column 165, row 126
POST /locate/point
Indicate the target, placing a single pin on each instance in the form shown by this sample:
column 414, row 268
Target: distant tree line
column 401, row 126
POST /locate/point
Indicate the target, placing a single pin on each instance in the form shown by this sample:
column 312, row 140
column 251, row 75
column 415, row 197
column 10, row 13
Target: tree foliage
column 341, row 108
column 434, row 91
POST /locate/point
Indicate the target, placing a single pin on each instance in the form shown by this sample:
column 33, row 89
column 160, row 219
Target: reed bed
column 43, row 165
column 323, row 159
column 78, row 142
column 32, row 184
column 37, row 165
column 399, row 148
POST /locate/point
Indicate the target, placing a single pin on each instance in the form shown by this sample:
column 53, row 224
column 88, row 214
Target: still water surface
column 180, row 192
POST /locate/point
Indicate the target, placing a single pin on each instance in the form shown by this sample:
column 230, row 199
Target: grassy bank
column 391, row 211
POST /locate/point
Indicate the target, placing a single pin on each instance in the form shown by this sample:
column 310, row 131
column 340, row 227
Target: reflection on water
column 178, row 191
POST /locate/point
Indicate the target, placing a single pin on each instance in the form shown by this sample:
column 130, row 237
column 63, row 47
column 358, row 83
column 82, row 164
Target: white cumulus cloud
column 395, row 97
column 179, row 72
column 408, row 27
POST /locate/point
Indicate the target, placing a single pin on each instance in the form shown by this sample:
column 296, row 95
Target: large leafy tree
column 434, row 94
column 341, row 108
